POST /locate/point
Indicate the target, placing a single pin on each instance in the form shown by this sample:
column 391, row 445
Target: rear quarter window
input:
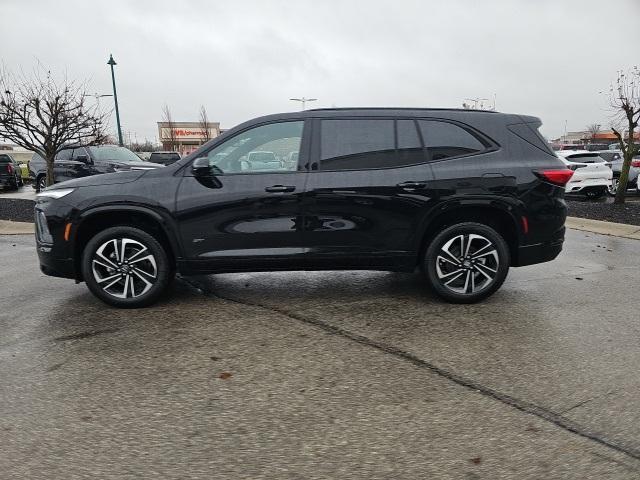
column 445, row 140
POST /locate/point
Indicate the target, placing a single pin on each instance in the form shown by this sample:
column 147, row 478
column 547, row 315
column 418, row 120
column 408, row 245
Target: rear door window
column 357, row 144
column 364, row 144
column 445, row 140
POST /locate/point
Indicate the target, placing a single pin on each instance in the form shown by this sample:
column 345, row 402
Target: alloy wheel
column 467, row 263
column 124, row 268
column 42, row 183
column 613, row 186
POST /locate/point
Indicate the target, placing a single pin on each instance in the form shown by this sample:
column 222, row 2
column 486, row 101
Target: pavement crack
column 81, row 335
column 517, row 403
column 584, row 402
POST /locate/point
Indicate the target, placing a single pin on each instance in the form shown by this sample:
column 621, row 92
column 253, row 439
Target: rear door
column 249, row 211
column 63, row 166
column 366, row 190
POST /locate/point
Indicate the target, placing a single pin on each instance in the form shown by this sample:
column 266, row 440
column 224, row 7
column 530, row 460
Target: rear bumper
column 7, row 180
column 587, row 184
column 540, row 252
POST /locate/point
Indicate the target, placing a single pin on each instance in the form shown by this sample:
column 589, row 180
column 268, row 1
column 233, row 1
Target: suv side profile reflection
column 461, row 195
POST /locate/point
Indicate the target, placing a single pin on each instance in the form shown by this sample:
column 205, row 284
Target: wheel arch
column 502, row 216
column 92, row 221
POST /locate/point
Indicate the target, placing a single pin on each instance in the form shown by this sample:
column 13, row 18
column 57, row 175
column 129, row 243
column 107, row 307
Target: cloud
column 246, row 58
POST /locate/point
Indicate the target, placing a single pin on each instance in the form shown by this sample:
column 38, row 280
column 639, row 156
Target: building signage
column 184, row 133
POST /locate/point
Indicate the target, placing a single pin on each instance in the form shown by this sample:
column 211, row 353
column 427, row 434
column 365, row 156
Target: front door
column 250, row 210
column 366, row 191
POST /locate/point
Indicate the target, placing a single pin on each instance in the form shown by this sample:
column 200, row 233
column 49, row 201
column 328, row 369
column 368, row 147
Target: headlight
column 58, row 193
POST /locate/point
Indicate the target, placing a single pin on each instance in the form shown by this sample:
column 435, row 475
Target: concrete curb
column 604, row 228
column 595, row 226
column 16, row 228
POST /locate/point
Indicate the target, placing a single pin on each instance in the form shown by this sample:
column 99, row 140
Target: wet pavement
column 326, row 375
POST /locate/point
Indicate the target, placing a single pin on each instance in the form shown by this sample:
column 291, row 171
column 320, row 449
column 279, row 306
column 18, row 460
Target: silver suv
column 614, row 160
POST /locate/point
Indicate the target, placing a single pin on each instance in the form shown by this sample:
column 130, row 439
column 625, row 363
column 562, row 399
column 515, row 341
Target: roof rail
column 400, row 108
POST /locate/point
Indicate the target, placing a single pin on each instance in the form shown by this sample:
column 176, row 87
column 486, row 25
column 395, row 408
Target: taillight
column 635, row 163
column 558, row 177
column 9, row 168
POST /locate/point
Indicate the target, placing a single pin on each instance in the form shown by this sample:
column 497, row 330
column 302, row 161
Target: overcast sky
column 242, row 59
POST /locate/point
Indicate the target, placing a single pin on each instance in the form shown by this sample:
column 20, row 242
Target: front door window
column 269, row 148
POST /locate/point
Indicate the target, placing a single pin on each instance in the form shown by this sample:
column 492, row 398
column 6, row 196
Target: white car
column 591, row 175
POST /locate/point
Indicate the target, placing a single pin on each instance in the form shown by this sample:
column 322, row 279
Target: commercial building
column 185, row 137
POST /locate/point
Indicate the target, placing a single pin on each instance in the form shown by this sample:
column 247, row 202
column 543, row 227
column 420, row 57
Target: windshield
column 113, row 153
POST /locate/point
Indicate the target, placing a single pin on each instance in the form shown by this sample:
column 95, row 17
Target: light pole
column 112, row 62
column 303, row 101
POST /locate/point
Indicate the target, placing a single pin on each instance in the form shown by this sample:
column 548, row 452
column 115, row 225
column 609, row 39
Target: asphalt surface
column 325, row 375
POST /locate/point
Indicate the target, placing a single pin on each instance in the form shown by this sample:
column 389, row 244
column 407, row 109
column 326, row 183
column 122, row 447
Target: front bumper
column 54, row 252
column 53, row 266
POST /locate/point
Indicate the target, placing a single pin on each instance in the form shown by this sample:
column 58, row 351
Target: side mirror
column 200, row 168
column 203, row 172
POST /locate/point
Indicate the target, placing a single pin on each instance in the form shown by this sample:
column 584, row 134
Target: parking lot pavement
column 26, row 192
column 325, row 375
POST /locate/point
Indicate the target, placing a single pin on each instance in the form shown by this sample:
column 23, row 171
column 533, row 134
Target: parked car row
column 597, row 173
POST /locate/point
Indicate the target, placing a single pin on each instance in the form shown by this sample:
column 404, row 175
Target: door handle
column 412, row 185
column 280, row 189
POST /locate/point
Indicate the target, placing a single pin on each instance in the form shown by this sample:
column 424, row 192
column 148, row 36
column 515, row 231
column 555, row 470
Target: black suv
column 462, row 195
column 79, row 161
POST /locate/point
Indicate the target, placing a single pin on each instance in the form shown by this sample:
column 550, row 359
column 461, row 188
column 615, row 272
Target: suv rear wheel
column 466, row 263
column 126, row 267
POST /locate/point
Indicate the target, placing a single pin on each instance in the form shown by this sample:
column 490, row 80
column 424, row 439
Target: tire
column 41, row 183
column 114, row 280
column 612, row 189
column 596, row 194
column 454, row 276
column 14, row 186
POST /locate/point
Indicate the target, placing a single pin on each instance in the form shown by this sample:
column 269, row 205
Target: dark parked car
column 164, row 158
column 79, row 161
column 10, row 172
column 462, row 195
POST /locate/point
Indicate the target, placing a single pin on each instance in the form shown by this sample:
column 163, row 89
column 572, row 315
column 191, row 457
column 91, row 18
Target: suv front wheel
column 466, row 263
column 126, row 267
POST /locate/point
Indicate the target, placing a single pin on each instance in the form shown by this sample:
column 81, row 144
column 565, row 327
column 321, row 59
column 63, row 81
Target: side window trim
column 302, row 154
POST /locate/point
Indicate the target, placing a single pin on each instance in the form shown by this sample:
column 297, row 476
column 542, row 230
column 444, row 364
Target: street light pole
column 303, row 101
column 112, row 62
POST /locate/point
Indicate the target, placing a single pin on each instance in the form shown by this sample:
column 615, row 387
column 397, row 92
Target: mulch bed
column 16, row 209
column 628, row 213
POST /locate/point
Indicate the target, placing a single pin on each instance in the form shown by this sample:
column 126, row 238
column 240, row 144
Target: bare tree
column 593, row 129
column 170, row 126
column 43, row 115
column 624, row 97
column 204, row 124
